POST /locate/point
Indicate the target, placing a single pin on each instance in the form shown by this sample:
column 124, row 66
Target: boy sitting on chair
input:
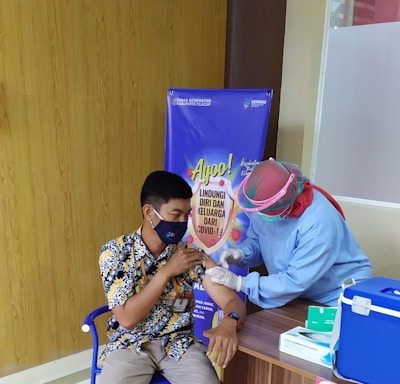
column 147, row 277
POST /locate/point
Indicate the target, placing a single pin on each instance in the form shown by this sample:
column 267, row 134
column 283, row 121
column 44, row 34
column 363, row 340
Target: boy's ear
column 147, row 210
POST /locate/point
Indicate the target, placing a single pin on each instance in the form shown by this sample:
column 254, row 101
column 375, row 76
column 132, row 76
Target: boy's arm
column 224, row 340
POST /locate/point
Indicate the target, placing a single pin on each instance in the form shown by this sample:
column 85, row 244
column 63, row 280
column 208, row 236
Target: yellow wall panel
column 83, row 88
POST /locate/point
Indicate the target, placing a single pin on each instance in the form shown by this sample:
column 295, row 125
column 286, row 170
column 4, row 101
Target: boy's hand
column 183, row 260
column 223, row 343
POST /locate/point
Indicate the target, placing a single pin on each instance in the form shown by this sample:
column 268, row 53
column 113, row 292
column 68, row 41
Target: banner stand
column 214, row 138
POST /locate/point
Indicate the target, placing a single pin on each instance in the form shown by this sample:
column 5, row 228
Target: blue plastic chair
column 89, row 325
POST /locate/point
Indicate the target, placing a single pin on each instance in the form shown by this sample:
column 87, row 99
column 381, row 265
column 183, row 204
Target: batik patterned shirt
column 122, row 274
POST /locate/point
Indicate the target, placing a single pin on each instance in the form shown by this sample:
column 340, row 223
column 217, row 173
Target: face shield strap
column 260, row 205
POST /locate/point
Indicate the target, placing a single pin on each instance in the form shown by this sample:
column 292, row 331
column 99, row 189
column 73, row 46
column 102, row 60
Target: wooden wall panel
column 254, row 53
column 83, row 89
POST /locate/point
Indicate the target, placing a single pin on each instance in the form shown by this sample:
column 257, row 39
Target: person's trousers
column 126, row 366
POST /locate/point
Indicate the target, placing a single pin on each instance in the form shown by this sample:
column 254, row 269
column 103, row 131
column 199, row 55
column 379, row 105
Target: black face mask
column 170, row 232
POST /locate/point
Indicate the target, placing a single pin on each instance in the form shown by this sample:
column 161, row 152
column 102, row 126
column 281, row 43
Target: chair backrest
column 90, row 325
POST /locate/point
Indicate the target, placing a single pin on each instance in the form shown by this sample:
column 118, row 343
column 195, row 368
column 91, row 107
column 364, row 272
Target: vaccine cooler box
column 369, row 341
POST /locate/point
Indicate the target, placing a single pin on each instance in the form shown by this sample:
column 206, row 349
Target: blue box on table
column 369, row 341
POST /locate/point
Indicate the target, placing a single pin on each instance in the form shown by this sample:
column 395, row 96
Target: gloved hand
column 225, row 277
column 230, row 256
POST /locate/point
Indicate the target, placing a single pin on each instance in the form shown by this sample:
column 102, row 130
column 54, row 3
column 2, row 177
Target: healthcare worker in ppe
column 299, row 232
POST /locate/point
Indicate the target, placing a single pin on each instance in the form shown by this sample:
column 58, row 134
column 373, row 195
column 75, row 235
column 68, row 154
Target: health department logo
column 246, row 103
column 191, row 102
column 250, row 103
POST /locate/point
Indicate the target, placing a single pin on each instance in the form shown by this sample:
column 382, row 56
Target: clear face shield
column 275, row 207
column 270, row 216
column 261, row 205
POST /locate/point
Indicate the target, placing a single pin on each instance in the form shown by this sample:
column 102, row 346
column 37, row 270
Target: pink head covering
column 272, row 185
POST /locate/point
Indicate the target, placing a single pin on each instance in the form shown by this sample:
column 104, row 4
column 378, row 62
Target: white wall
column 304, row 31
column 377, row 228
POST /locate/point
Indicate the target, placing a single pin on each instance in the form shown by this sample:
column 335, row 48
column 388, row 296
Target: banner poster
column 214, row 138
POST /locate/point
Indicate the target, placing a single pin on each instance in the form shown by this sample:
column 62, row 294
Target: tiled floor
column 81, row 377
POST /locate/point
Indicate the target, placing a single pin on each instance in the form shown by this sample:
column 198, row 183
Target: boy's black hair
column 162, row 186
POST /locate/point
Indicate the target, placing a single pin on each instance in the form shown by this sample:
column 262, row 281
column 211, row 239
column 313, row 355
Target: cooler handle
column 361, row 306
column 392, row 291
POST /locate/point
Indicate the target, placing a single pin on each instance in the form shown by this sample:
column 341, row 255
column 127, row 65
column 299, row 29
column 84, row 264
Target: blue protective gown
column 306, row 257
